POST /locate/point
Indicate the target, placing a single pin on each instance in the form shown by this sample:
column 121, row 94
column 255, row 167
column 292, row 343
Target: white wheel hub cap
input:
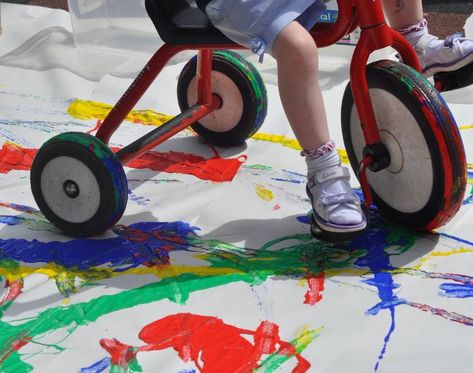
column 407, row 183
column 70, row 189
column 229, row 114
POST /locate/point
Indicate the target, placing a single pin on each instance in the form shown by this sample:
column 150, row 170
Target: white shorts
column 255, row 24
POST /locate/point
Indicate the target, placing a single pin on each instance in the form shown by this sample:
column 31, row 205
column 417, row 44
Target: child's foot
column 336, row 208
column 437, row 55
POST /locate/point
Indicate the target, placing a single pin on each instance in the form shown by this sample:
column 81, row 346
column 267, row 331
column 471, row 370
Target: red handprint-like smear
column 213, row 346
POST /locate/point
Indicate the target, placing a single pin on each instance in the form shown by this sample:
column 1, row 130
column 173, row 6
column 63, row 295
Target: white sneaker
column 437, row 55
column 336, row 208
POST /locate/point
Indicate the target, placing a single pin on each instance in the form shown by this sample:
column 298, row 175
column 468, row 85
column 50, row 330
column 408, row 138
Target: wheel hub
column 71, row 189
column 396, row 155
column 230, row 111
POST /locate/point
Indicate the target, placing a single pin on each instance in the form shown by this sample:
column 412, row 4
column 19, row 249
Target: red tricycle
column 400, row 136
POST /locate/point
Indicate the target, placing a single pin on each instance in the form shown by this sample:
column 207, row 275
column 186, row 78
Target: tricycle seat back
column 181, row 22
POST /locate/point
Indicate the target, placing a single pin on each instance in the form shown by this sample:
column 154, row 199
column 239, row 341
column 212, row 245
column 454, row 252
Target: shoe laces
column 454, row 39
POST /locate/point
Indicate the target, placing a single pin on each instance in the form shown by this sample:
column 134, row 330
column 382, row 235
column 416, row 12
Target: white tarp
column 206, row 275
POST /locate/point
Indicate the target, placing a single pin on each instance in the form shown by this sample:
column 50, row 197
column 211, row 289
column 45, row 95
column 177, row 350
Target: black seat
column 180, row 22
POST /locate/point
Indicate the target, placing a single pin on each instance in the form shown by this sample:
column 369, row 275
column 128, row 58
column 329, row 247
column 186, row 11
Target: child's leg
column 298, row 83
column 435, row 55
column 403, row 13
column 336, row 207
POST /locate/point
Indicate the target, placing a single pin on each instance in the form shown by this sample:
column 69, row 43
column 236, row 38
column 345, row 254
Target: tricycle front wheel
column 423, row 186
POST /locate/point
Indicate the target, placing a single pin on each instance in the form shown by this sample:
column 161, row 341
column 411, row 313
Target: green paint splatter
column 274, row 361
column 292, row 256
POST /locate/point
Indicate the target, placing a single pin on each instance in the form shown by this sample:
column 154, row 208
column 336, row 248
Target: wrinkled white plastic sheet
column 215, row 275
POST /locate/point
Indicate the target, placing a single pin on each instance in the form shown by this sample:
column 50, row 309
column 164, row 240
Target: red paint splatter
column 21, row 340
column 215, row 169
column 452, row 316
column 97, row 125
column 213, row 346
column 316, row 287
column 14, row 289
column 277, row 207
column 121, row 354
column 14, row 157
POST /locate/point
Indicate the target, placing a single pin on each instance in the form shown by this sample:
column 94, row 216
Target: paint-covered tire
column 242, row 92
column 79, row 184
column 424, row 184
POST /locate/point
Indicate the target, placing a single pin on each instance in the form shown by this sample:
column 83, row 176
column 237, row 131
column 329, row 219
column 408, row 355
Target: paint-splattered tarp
column 212, row 268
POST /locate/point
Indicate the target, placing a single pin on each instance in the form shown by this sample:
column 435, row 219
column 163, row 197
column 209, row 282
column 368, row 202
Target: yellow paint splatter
column 292, row 143
column 434, row 254
column 344, row 272
column 343, row 156
column 466, row 127
column 304, row 331
column 83, row 109
column 279, row 139
column 306, row 335
column 264, row 193
column 461, row 250
column 53, row 271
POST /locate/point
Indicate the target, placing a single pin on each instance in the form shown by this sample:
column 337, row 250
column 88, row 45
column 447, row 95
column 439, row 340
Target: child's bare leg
column 335, row 207
column 301, row 96
column 435, row 55
column 403, row 13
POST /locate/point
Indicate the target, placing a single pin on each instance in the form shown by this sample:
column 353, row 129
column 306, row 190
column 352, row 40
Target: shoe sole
column 337, row 228
column 330, row 236
column 434, row 69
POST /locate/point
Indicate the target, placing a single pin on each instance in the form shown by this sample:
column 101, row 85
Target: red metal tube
column 136, row 90
column 370, row 13
column 204, row 77
column 326, row 34
column 167, row 130
column 360, row 89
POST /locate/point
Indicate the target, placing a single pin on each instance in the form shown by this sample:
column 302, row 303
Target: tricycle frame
column 375, row 35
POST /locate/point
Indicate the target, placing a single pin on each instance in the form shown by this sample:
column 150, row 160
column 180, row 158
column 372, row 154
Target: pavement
column 451, row 6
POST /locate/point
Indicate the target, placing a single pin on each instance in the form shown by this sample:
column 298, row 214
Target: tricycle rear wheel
column 243, row 97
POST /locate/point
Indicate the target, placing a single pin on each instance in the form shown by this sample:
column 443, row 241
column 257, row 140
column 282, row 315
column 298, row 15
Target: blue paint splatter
column 22, row 208
column 378, row 261
column 135, row 245
column 305, row 219
column 11, row 220
column 287, row 180
column 46, row 127
column 383, row 281
column 468, row 200
column 457, row 239
column 292, row 177
column 97, row 367
column 457, row 290
column 141, row 201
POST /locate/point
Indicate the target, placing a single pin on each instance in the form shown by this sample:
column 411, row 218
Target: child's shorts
column 255, row 24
